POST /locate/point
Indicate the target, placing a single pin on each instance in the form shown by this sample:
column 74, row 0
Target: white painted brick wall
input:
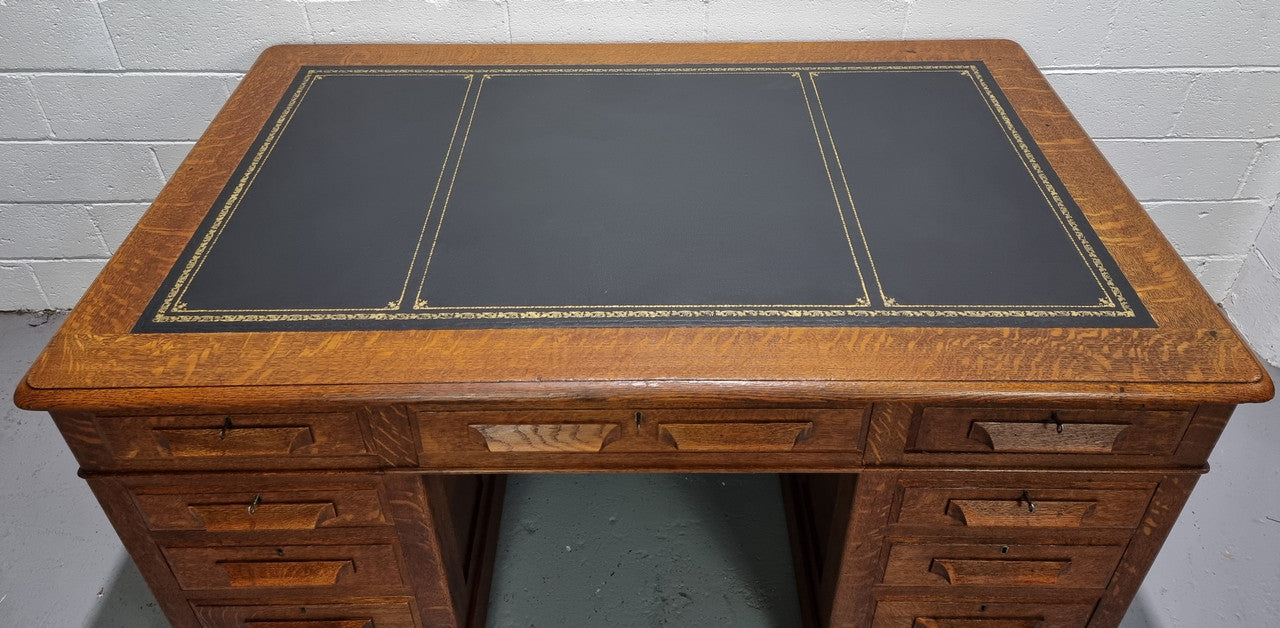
column 1055, row 33
column 54, row 171
column 55, row 35
column 201, row 34
column 100, row 101
column 138, row 106
column 813, row 20
column 1253, row 298
column 21, row 118
column 410, row 21
column 1171, row 168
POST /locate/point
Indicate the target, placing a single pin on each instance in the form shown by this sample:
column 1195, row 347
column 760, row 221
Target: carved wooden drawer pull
column 735, row 436
column 260, row 516
column 1020, row 512
column 320, row 623
column 548, row 437
column 303, row 573
column 974, row 622
column 998, row 572
column 1081, row 438
column 233, row 441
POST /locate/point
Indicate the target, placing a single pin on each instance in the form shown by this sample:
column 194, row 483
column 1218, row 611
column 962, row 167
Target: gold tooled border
column 174, row 309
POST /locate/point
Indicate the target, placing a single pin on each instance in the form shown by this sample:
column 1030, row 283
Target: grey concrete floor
column 617, row 550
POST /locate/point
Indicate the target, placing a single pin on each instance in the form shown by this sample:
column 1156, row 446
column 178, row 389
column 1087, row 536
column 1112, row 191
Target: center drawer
column 588, row 432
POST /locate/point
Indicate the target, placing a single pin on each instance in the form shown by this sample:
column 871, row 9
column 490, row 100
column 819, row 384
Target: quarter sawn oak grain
column 936, row 476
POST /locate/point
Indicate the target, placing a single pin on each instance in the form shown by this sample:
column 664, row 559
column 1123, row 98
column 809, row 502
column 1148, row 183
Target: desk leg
column 117, row 502
column 837, row 524
column 448, row 529
column 1141, row 552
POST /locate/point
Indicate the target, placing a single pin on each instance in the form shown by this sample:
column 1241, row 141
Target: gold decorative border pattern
column 1112, row 303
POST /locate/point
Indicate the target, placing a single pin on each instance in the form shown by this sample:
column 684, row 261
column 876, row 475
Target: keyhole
column 639, row 420
column 279, row 551
column 1004, row 549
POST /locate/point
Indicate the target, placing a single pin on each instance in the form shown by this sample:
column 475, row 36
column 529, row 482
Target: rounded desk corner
column 1263, row 388
column 281, row 52
column 26, row 397
column 1009, row 46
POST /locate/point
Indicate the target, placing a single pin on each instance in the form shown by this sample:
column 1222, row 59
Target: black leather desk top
column 432, row 197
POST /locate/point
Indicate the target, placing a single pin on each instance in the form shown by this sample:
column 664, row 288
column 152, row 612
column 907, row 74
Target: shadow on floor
column 643, row 550
column 126, row 601
column 756, row 553
column 1140, row 614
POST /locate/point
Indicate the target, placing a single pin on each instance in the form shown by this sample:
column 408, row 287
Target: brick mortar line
column 35, row 95
column 97, row 229
column 39, row 288
column 1182, row 105
column 42, row 260
column 1216, row 257
column 106, row 28
column 1248, row 170
column 78, row 202
column 4, row 204
column 1161, row 69
column 19, row 73
column 53, row 141
column 1165, row 201
column 1174, row 140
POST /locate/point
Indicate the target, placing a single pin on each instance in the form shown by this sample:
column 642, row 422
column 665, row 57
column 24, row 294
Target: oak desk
column 898, row 272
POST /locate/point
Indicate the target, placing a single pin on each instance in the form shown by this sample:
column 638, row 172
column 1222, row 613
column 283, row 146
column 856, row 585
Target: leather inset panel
column 331, row 217
column 454, row 197
column 945, row 197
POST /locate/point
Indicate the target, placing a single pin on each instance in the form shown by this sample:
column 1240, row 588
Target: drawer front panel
column 761, row 436
column 391, row 614
column 657, row 430
column 992, row 565
column 837, row 430
column 1028, row 430
column 546, row 437
column 940, row 614
column 265, row 440
column 173, row 508
column 288, row 566
column 1023, row 507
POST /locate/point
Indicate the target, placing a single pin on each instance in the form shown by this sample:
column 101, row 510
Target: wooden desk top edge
column 1194, row 353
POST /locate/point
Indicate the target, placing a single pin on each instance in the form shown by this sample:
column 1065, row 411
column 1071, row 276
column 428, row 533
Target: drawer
column 254, row 504
column 1023, row 507
column 648, row 430
column 941, row 614
column 995, row 565
column 220, row 440
column 283, row 566
column 1046, row 431
column 389, row 614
